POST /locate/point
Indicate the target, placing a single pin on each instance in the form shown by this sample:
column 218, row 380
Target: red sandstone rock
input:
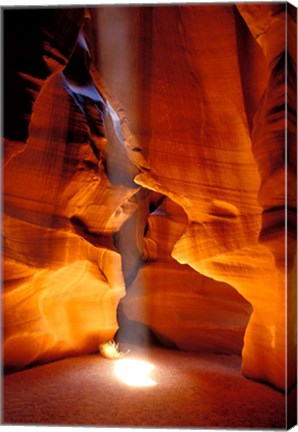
column 193, row 133
column 187, row 310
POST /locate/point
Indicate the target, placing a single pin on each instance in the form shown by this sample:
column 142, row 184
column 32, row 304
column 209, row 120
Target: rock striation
column 150, row 161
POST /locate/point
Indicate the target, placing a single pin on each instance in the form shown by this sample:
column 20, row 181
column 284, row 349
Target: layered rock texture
column 149, row 183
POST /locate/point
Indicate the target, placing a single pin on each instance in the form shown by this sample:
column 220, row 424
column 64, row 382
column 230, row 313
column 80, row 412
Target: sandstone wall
column 153, row 163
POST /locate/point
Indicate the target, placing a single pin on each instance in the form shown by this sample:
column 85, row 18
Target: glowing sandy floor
column 191, row 390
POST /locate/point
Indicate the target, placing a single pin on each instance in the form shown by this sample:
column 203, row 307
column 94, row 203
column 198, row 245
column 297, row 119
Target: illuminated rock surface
column 186, row 310
column 174, row 189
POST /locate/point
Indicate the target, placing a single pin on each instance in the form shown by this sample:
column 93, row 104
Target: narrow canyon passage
column 148, row 198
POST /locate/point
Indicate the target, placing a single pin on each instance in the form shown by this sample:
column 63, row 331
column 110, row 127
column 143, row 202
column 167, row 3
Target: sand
column 192, row 390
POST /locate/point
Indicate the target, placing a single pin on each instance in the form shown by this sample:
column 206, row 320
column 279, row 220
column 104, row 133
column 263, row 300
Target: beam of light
column 134, row 373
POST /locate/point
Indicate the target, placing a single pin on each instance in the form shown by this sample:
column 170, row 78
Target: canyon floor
column 192, row 390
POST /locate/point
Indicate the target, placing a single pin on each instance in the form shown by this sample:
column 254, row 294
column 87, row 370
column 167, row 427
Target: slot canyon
column 149, row 198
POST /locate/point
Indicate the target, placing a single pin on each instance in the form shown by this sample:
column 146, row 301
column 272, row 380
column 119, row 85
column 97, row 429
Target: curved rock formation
column 202, row 108
column 154, row 162
column 61, row 208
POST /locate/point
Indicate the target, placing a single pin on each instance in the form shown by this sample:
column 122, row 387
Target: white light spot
column 134, row 372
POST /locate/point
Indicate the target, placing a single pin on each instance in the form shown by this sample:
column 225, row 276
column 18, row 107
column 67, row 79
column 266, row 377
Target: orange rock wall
column 179, row 182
